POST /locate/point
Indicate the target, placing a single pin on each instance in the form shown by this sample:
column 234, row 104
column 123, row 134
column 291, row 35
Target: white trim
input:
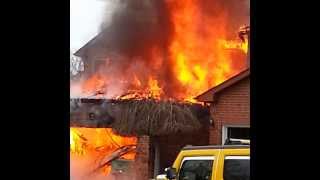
column 237, row 157
column 225, row 130
column 237, row 125
column 199, row 158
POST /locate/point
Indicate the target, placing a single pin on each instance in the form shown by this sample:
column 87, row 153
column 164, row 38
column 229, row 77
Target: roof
column 132, row 117
column 208, row 95
column 216, row 147
column 99, row 40
column 80, row 52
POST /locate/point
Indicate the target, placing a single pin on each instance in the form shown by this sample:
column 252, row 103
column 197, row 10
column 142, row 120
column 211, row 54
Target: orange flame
column 200, row 62
column 97, row 142
column 94, row 84
column 77, row 144
column 235, row 45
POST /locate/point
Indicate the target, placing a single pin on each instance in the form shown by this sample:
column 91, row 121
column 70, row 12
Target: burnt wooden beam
column 90, row 123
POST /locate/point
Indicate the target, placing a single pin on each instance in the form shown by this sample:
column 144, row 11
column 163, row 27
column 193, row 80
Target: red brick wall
column 142, row 165
column 232, row 107
column 170, row 146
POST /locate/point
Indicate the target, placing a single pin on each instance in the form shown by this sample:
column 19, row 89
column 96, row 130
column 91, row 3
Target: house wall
column 169, row 148
column 93, row 55
column 142, row 165
column 232, row 107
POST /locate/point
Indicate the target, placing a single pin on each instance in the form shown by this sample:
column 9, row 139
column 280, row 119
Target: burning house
column 133, row 109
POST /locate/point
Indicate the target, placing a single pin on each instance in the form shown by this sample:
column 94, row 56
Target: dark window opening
column 238, row 133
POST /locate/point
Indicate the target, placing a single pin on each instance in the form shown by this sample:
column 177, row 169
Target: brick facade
column 142, row 164
column 169, row 147
column 231, row 107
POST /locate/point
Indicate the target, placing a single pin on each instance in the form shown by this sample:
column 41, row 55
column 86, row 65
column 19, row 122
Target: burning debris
column 244, row 30
column 100, row 147
column 107, row 160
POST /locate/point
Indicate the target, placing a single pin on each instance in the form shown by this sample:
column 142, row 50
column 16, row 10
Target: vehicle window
column 236, row 168
column 196, row 169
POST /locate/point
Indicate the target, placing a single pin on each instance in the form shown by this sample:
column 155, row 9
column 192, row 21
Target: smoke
column 136, row 27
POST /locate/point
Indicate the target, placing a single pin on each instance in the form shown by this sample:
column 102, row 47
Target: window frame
column 225, row 131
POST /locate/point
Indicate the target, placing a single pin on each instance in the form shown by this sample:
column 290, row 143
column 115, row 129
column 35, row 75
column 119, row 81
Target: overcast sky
column 85, row 19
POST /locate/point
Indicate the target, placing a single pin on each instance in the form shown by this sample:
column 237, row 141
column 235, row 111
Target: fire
column 98, row 143
column 95, row 84
column 199, row 55
column 154, row 89
column 151, row 90
column 136, row 81
column 235, row 45
column 77, row 143
column 199, row 62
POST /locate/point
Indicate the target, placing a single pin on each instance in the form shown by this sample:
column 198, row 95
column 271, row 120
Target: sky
column 85, row 19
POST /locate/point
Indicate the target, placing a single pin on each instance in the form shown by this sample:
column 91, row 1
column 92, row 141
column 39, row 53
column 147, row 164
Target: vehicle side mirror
column 171, row 173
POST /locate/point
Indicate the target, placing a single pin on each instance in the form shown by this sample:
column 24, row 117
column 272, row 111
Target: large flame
column 196, row 62
column 200, row 62
column 98, row 142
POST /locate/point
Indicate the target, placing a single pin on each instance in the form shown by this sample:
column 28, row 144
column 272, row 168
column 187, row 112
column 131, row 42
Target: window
column 196, row 168
column 236, row 168
column 235, row 132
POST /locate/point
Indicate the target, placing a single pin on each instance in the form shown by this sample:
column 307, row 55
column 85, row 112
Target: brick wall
column 142, row 164
column 170, row 146
column 232, row 107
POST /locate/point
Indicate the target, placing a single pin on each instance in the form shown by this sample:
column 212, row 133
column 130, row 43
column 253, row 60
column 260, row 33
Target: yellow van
column 228, row 162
